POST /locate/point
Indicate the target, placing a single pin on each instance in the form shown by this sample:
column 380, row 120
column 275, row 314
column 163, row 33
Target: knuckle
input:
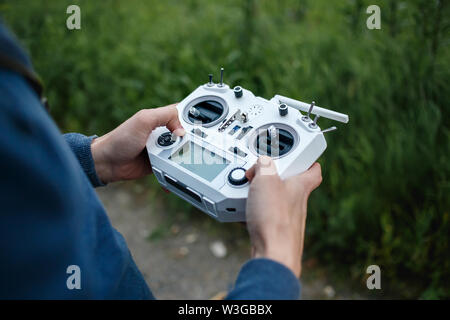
column 174, row 113
column 319, row 179
column 315, row 175
column 319, row 174
column 142, row 115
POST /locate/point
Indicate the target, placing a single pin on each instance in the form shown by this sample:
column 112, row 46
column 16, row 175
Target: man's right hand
column 276, row 212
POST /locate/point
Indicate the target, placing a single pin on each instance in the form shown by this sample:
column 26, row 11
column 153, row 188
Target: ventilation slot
column 181, row 187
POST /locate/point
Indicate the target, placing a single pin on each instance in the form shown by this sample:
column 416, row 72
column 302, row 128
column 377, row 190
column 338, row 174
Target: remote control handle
column 302, row 106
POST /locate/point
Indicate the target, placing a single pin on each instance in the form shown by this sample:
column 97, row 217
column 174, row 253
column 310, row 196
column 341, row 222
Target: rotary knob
column 237, row 91
column 283, row 109
column 165, row 139
column 237, row 177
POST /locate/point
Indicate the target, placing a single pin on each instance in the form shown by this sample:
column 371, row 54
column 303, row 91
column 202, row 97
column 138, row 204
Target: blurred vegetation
column 385, row 195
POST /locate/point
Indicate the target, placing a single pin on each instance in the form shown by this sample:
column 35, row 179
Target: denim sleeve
column 81, row 147
column 265, row 279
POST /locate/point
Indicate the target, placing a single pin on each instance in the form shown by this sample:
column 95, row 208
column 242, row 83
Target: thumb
column 263, row 166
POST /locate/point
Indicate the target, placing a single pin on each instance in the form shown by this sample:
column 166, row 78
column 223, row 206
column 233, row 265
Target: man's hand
column 276, row 212
column 120, row 154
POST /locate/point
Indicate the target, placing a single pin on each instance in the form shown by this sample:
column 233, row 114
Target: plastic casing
column 219, row 198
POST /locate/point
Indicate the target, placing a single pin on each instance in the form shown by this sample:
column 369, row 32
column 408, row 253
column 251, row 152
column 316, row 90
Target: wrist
column 101, row 163
column 280, row 254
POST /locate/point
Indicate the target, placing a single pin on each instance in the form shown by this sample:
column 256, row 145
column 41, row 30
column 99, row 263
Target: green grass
column 385, row 195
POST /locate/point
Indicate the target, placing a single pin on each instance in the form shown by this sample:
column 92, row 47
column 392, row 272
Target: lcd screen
column 199, row 160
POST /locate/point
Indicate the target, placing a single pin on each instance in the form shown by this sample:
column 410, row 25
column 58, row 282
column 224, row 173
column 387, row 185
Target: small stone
column 144, row 233
column 182, row 252
column 218, row 249
column 175, row 229
column 191, row 238
column 329, row 292
column 123, row 198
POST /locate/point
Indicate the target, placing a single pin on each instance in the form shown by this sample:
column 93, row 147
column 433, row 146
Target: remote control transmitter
column 226, row 131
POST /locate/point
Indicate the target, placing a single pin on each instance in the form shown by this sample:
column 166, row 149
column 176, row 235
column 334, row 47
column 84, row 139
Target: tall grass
column 385, row 195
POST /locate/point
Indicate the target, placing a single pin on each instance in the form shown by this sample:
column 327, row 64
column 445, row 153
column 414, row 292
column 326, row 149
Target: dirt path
column 177, row 261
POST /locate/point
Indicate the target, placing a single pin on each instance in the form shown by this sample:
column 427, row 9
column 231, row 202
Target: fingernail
column 265, row 161
column 180, row 132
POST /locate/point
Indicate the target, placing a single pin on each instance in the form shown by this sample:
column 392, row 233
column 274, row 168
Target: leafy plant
column 384, row 199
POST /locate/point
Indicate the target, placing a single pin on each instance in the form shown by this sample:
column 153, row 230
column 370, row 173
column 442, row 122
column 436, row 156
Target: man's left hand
column 120, row 154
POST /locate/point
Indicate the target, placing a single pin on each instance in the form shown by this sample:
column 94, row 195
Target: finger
column 168, row 116
column 250, row 173
column 164, row 116
column 310, row 179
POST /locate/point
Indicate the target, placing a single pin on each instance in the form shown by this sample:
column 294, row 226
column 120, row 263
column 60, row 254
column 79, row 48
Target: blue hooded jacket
column 51, row 217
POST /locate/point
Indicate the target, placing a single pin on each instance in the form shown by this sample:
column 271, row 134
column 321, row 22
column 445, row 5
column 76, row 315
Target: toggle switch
column 313, row 125
column 242, row 117
column 329, row 129
column 307, row 118
column 210, row 82
column 221, row 78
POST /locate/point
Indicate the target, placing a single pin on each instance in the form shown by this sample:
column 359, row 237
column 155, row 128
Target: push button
column 237, row 177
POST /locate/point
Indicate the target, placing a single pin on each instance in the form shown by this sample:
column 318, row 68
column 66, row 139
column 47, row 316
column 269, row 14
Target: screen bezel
column 221, row 178
column 190, row 147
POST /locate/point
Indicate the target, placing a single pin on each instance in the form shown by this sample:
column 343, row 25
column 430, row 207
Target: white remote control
column 226, row 130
